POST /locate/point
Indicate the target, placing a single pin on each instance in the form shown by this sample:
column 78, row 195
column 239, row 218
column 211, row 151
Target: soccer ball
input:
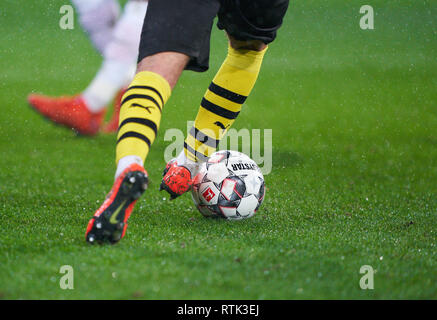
column 229, row 185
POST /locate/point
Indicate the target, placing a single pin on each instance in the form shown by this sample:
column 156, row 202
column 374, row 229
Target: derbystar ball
column 229, row 185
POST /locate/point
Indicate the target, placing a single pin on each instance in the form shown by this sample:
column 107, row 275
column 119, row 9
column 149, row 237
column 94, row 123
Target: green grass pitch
column 354, row 178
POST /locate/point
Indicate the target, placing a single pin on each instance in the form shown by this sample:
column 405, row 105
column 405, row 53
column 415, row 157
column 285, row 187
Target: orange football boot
column 68, row 111
column 109, row 223
column 177, row 179
column 112, row 125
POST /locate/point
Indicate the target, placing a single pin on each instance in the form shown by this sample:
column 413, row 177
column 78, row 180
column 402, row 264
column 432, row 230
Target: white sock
column 125, row 162
column 98, row 18
column 182, row 160
column 86, row 5
column 120, row 58
column 105, row 85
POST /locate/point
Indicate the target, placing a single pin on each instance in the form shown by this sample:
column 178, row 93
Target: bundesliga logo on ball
column 229, row 185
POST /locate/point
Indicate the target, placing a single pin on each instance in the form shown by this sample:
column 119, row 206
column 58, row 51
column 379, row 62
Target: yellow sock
column 222, row 102
column 140, row 114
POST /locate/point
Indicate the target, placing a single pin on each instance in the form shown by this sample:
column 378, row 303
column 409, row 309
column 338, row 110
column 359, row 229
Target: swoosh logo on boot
column 113, row 218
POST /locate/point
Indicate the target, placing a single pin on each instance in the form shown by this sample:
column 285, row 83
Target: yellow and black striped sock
column 222, row 102
column 140, row 114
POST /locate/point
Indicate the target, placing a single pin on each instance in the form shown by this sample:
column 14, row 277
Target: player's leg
column 230, row 87
column 98, row 18
column 84, row 112
column 142, row 105
column 118, row 67
column 224, row 98
column 140, row 117
column 218, row 110
column 174, row 33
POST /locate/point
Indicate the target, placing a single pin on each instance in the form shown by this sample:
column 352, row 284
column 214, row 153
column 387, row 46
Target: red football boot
column 68, row 111
column 109, row 223
column 177, row 179
column 112, row 125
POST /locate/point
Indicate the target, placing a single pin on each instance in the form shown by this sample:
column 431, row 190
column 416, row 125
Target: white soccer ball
column 229, row 185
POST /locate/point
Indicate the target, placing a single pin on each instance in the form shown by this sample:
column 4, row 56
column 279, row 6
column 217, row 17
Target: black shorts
column 185, row 25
